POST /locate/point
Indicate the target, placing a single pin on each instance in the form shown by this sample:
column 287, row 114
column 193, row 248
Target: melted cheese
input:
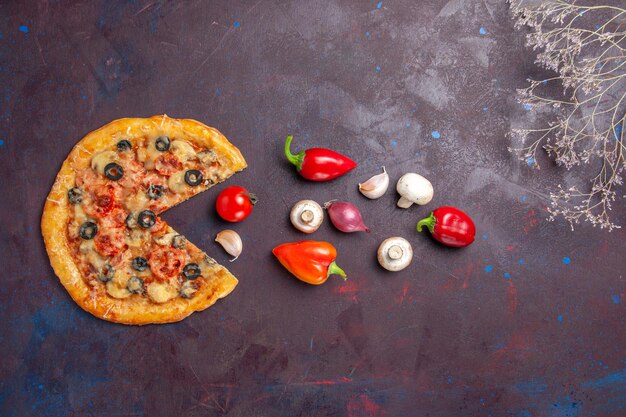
column 100, row 160
column 176, row 182
column 183, row 150
column 79, row 214
column 115, row 290
column 137, row 237
column 164, row 240
column 162, row 292
column 137, row 202
column 88, row 249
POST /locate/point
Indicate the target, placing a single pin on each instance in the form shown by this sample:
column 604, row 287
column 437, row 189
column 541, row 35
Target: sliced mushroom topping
column 131, row 221
column 164, row 240
column 116, row 291
column 161, row 292
column 176, row 182
column 100, row 160
column 207, row 157
column 183, row 150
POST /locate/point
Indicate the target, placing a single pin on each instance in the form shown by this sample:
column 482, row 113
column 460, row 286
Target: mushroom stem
column 395, row 252
column 307, row 216
column 404, row 203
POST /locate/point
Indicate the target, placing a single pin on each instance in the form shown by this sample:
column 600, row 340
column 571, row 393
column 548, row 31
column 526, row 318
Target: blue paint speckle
column 488, row 268
column 407, row 124
column 378, row 69
column 450, row 380
column 435, row 134
column 545, row 82
column 394, row 143
column 482, row 31
column 521, row 262
column 522, row 198
column 615, row 298
column 506, row 275
column 567, row 260
column 617, row 131
column 485, row 236
column 367, row 34
column 1, row 142
column 23, row 28
column 560, row 317
column 236, row 24
column 528, row 106
column 379, row 5
column 485, row 109
column 530, row 161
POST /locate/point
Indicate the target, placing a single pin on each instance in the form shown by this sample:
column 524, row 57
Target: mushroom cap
column 306, row 216
column 395, row 253
column 415, row 188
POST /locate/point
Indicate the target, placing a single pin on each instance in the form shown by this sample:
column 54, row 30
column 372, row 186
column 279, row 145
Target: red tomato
column 235, row 204
column 110, row 241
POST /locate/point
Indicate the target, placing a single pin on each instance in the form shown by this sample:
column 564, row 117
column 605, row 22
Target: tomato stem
column 253, row 198
column 333, row 268
column 294, row 159
column 429, row 222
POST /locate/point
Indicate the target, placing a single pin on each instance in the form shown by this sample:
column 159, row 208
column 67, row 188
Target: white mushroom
column 413, row 188
column 306, row 216
column 395, row 254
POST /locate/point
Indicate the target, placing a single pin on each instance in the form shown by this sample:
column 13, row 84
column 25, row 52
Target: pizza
column 106, row 242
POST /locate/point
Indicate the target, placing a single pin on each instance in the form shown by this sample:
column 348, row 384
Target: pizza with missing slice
column 106, row 242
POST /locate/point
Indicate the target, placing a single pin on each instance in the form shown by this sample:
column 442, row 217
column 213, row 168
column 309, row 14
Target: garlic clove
column 231, row 242
column 376, row 186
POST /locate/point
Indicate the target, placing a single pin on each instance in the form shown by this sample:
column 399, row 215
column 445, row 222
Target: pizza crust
column 132, row 310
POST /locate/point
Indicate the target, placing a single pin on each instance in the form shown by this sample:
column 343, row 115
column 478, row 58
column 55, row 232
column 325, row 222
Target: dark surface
column 528, row 321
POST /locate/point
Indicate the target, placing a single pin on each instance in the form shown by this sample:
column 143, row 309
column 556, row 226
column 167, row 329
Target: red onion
column 345, row 216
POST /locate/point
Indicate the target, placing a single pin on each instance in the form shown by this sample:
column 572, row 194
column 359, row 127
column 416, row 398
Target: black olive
column 140, row 263
column 146, row 219
column 191, row 271
column 155, row 191
column 113, row 171
column 107, row 273
column 179, row 241
column 188, row 289
column 124, row 145
column 88, row 230
column 193, row 177
column 135, row 285
column 131, row 220
column 75, row 195
column 162, row 143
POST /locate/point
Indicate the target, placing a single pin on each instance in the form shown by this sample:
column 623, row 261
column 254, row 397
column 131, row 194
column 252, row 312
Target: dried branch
column 586, row 47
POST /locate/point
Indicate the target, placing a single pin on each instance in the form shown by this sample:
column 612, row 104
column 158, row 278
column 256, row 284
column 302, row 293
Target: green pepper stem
column 428, row 222
column 294, row 159
column 333, row 268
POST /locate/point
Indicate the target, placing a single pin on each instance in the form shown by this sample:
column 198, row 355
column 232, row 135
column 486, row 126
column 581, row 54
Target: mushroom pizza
column 106, row 242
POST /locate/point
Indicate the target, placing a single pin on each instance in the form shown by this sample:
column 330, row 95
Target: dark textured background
column 528, row 321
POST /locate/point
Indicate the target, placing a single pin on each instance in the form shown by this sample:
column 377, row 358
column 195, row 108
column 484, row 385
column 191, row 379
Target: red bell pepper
column 309, row 261
column 319, row 164
column 450, row 226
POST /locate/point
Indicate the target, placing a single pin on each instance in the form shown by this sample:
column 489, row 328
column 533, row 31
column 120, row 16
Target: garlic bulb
column 231, row 242
column 376, row 186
